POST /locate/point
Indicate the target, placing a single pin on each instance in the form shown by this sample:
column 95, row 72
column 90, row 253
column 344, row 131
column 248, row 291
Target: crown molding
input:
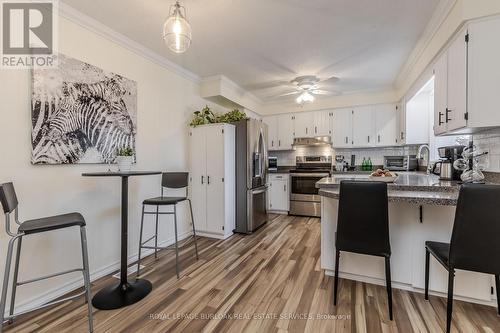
column 443, row 9
column 103, row 30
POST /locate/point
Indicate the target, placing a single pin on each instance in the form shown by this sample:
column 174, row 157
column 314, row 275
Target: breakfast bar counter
column 421, row 208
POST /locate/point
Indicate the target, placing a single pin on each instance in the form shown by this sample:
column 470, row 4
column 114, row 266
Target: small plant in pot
column 125, row 158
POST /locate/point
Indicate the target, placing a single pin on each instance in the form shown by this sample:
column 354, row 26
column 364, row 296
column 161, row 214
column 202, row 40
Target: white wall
column 165, row 103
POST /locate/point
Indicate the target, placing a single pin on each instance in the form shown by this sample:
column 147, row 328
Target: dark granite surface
column 406, row 181
column 283, row 169
column 411, row 197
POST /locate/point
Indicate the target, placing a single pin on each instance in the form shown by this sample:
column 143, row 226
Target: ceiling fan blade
column 330, row 79
column 267, row 85
column 288, row 94
column 321, row 92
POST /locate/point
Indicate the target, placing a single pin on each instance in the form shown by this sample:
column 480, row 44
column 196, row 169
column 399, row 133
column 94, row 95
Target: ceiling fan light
column 176, row 30
column 305, row 97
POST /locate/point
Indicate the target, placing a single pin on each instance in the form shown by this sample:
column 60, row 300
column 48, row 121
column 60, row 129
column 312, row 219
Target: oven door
column 303, row 186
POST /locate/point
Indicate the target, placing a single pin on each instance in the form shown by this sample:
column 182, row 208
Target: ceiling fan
column 307, row 86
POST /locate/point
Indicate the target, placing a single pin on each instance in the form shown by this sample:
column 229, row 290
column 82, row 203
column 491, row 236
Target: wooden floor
column 270, row 281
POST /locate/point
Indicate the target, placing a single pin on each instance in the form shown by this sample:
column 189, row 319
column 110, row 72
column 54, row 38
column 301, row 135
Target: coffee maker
column 444, row 168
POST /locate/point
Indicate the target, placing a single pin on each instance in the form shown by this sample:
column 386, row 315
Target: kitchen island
column 421, row 208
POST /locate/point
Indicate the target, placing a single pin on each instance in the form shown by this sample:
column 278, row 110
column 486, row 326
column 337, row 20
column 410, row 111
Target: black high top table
column 125, row 292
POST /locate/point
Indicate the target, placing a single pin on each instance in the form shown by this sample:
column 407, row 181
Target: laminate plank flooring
column 270, row 281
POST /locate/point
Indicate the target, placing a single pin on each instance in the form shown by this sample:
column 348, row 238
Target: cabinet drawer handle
column 447, row 112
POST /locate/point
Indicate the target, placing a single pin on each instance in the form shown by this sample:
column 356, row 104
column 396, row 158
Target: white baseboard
column 213, row 235
column 408, row 287
column 76, row 283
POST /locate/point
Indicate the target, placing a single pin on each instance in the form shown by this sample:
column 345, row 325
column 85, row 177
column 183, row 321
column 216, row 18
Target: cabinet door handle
column 306, row 130
column 368, row 139
column 272, row 143
column 316, row 129
column 208, row 180
column 279, row 143
column 284, row 187
column 446, row 118
column 202, row 179
column 440, row 115
column 379, row 138
column 346, row 139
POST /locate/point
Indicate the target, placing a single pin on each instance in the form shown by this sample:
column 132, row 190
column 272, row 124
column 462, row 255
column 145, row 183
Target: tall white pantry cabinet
column 212, row 179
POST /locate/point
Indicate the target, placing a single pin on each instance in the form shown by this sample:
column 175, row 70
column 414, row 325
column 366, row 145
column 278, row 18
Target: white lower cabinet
column 279, row 193
column 212, row 179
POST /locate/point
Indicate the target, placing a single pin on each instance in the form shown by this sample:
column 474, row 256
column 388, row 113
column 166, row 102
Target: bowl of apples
column 383, row 176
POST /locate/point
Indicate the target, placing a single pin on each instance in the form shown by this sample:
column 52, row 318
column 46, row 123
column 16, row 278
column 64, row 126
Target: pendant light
column 176, row 29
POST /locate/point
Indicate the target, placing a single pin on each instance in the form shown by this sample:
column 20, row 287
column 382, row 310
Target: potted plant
column 125, row 158
column 205, row 116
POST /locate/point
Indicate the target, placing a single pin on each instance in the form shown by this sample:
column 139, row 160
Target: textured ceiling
column 259, row 42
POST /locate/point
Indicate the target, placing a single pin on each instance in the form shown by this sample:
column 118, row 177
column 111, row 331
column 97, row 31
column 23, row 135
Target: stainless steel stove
column 304, row 197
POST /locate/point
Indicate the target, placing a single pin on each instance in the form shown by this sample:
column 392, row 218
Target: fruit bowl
column 383, row 176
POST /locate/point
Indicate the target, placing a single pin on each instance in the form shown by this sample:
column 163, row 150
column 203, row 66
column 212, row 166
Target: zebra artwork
column 81, row 114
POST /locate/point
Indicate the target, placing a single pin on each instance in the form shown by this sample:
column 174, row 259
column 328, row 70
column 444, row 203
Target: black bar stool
column 173, row 180
column 475, row 240
column 9, row 202
column 363, row 226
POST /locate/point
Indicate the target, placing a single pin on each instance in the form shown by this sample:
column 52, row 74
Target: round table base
column 120, row 295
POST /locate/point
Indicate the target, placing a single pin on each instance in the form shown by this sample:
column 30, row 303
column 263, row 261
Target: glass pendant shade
column 176, row 30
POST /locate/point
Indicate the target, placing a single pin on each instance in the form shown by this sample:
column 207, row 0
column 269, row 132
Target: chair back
column 363, row 218
column 475, row 241
column 8, row 197
column 174, row 179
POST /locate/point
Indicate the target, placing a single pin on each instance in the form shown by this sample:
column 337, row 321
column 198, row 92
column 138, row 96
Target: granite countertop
column 416, row 188
column 438, row 198
column 406, row 181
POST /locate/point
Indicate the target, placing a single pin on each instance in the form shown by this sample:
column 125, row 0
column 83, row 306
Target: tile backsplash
column 287, row 158
column 490, row 141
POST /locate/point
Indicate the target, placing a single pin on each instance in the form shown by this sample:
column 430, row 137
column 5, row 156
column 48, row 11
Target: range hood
column 317, row 141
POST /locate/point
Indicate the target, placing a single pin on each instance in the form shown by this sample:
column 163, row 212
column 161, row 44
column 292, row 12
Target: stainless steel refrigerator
column 251, row 175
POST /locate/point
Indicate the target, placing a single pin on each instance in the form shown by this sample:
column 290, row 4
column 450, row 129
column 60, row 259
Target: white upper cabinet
column 323, row 123
column 440, row 94
column 401, row 122
column 280, row 131
column 285, row 132
column 272, row 132
column 342, row 128
column 466, row 80
column 484, row 73
column 455, row 117
column 386, row 125
column 363, row 127
column 303, row 124
column 450, row 83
